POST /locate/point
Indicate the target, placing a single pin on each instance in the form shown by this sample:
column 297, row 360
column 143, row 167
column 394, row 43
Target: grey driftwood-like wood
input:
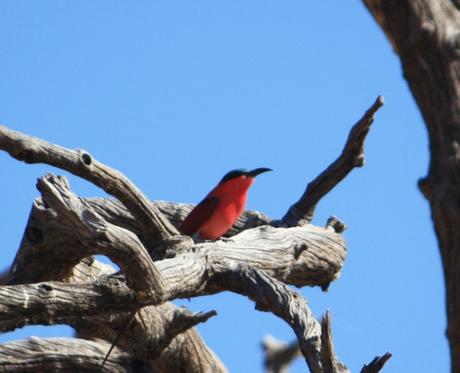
column 328, row 357
column 307, row 255
column 79, row 162
column 425, row 34
column 352, row 156
column 54, row 278
column 59, row 355
column 278, row 355
column 99, row 237
column 211, row 266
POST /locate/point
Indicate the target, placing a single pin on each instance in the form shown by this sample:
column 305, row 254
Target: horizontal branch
column 60, row 355
column 80, row 163
column 278, row 355
column 301, row 256
column 58, row 302
column 352, row 156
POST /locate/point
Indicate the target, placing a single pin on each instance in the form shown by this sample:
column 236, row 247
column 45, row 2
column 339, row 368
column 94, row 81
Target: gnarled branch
column 79, row 162
column 352, row 156
column 99, row 237
column 60, row 355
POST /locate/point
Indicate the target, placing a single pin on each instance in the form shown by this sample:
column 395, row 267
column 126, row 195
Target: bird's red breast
column 220, row 209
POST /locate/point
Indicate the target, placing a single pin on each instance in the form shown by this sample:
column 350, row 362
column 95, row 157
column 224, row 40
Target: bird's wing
column 199, row 215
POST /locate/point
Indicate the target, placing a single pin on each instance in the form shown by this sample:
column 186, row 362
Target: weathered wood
column 271, row 295
column 69, row 355
column 64, row 230
column 99, row 237
column 426, row 36
column 352, row 156
column 286, row 253
column 79, row 162
column 278, row 355
column 300, row 256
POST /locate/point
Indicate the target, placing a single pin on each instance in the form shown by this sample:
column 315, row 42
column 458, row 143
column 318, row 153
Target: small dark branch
column 119, row 244
column 328, row 357
column 34, row 150
column 352, row 156
column 377, row 364
column 59, row 355
column 337, row 225
column 278, row 355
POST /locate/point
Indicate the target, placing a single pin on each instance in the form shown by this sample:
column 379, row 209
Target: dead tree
column 55, row 279
column 426, row 36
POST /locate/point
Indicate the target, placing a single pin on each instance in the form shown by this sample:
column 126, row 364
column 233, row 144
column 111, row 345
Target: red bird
column 219, row 210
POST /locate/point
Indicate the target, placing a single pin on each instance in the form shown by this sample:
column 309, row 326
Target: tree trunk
column 426, row 36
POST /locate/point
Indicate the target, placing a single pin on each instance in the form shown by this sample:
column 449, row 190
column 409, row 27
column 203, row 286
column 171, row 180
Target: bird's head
column 241, row 179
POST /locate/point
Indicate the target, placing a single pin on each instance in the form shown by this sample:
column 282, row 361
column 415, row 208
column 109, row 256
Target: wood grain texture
column 426, row 36
column 60, row 355
column 99, row 237
column 80, row 163
column 54, row 278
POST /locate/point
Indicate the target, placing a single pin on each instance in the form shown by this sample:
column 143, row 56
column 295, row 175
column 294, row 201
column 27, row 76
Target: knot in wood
column 85, row 157
column 335, row 224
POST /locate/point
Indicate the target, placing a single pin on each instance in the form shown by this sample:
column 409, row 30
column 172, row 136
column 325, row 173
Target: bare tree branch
column 59, row 355
column 352, row 156
column 425, row 34
column 271, row 295
column 253, row 262
column 34, row 150
column 278, row 355
column 328, row 357
column 100, row 237
column 186, row 352
column 376, row 364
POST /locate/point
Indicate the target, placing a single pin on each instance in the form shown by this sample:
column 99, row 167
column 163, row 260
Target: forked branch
column 79, row 162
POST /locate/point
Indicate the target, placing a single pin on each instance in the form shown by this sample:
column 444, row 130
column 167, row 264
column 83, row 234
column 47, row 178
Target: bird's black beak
column 258, row 171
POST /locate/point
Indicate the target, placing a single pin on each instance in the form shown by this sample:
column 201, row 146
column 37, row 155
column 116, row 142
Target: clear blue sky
column 176, row 93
